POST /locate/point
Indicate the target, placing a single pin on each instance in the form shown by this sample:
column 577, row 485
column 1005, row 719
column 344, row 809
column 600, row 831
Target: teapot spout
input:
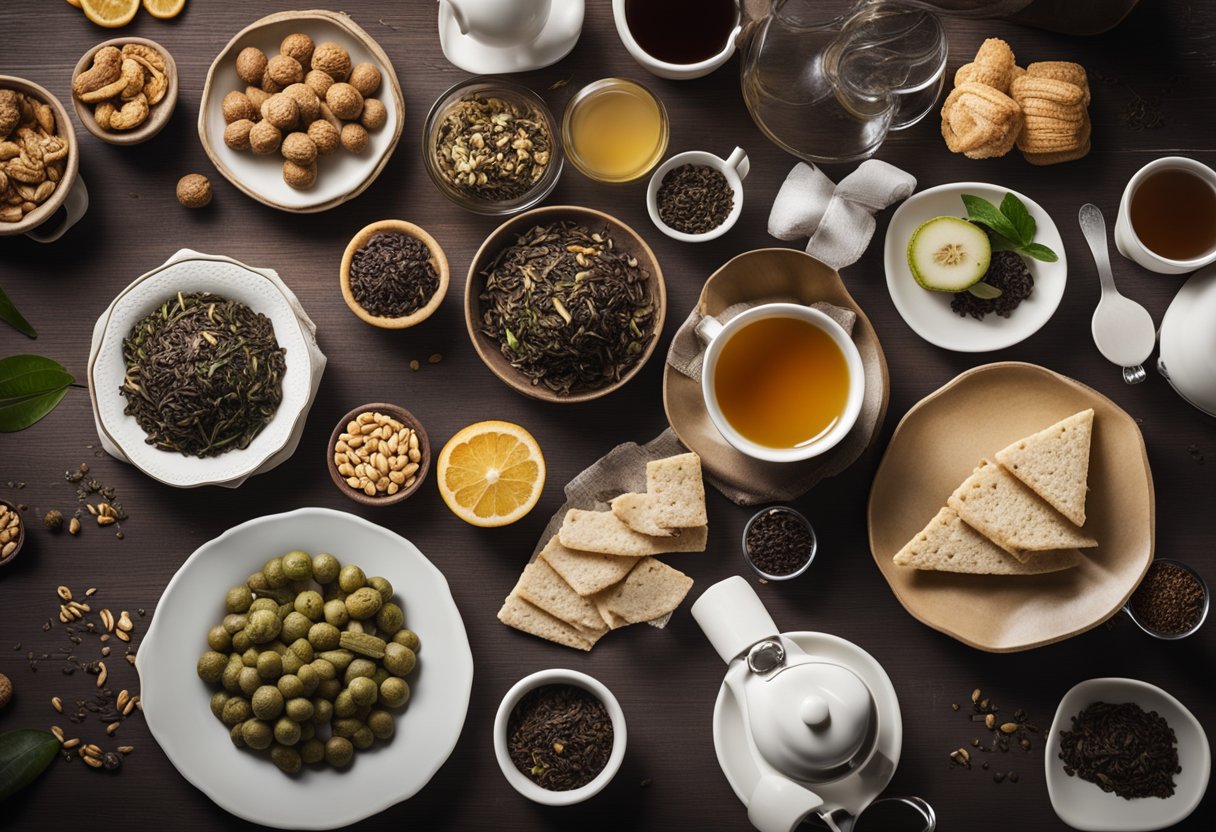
column 733, row 617
column 778, row 804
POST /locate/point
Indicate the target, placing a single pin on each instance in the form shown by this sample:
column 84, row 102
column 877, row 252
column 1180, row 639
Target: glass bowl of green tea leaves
column 203, row 371
column 565, row 304
column 559, row 736
column 492, row 146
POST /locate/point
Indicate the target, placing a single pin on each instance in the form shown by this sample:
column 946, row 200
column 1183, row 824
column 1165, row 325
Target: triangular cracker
column 1054, row 463
column 603, row 531
column 542, row 587
column 948, row 544
column 586, row 572
column 518, row 613
column 650, row 591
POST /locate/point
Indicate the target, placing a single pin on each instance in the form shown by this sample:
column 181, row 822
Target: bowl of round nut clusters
column 301, row 110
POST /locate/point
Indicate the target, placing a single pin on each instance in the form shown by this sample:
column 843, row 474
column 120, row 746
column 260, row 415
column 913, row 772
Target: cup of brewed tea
column 1167, row 217
column 782, row 382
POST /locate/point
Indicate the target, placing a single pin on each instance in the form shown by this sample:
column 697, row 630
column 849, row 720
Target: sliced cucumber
column 948, row 254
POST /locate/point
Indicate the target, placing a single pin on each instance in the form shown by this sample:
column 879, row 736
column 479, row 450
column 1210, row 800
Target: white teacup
column 664, row 69
column 1129, row 244
column 716, row 335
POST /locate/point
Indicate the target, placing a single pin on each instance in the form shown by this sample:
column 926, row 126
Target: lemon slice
column 75, row 3
column 110, row 13
column 164, row 9
column 491, row 473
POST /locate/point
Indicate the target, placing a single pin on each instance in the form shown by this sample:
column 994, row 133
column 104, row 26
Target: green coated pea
column 257, row 734
column 299, row 709
column 394, row 692
column 339, row 752
column 345, row 704
column 238, row 739
column 324, row 669
column 308, row 680
column 263, row 626
column 295, row 625
column 363, row 690
column 360, row 667
column 238, row 599
column 286, row 732
column 310, row 604
column 363, row 603
column 267, row 702
column 335, row 612
column 340, row 659
column 325, row 568
column 389, row 619
column 322, row 711
column 234, row 623
column 363, row 738
column 211, row 666
column 324, row 636
column 219, row 639
column 241, row 641
column 218, row 700
column 408, row 638
column 265, row 603
column 329, row 689
column 232, row 672
column 382, row 586
column 270, row 665
column 257, row 582
column 351, row 578
column 290, row 687
column 346, row 727
column 312, row 751
column 275, row 576
column 382, row 723
column 303, row 649
column 297, row 566
column 287, row 759
column 236, row 710
column 400, row 661
column 291, row 662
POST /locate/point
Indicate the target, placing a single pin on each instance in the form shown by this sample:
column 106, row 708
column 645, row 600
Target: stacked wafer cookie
column 598, row 572
column 996, row 104
column 1021, row 515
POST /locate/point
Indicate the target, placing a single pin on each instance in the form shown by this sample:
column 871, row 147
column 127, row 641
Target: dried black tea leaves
column 1122, row 749
column 1007, row 271
column 1169, row 600
column 204, row 374
column 694, row 199
column 568, row 308
column 392, row 275
column 559, row 736
column 778, row 542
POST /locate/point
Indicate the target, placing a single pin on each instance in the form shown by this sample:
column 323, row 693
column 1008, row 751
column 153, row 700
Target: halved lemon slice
column 491, row 473
column 164, row 9
column 110, row 13
column 75, row 3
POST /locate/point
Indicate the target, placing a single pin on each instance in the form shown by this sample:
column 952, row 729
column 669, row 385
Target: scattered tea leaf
column 30, row 388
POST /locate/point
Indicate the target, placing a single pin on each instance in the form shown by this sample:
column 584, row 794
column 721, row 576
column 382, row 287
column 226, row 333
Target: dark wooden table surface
column 1163, row 57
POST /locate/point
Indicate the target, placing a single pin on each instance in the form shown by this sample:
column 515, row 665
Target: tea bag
column 838, row 218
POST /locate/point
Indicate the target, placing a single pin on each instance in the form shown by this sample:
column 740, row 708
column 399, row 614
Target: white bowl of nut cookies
column 301, row 110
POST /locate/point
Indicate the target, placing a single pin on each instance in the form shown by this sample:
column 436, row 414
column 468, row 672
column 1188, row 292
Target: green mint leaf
column 24, row 754
column 10, row 315
column 30, row 388
column 984, row 291
column 1039, row 252
column 999, row 243
column 1015, row 211
column 982, row 211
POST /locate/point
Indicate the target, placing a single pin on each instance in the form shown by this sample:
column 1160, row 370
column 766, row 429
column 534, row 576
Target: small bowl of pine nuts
column 12, row 532
column 378, row 454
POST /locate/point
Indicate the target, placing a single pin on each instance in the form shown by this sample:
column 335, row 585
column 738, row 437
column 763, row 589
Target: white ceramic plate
column 341, row 175
column 107, row 370
column 176, row 702
column 1082, row 805
column 929, row 314
column 852, row 793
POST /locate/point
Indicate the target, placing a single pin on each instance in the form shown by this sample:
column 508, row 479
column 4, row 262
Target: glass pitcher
column 826, row 80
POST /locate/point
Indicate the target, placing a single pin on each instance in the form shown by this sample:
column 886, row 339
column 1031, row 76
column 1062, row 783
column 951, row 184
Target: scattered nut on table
column 194, row 191
column 306, row 102
column 123, row 85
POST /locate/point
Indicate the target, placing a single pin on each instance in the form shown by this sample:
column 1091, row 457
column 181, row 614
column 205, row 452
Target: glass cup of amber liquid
column 614, row 130
column 1167, row 217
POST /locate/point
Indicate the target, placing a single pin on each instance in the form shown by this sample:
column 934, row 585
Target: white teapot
column 1187, row 340
column 489, row 37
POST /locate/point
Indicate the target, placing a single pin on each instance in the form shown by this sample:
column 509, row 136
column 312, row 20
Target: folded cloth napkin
column 839, row 219
column 746, row 481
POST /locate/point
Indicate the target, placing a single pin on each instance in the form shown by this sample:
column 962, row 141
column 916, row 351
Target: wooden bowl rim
column 488, row 352
column 158, row 115
column 20, row 535
column 402, row 415
column 388, row 74
column 438, row 259
column 47, row 209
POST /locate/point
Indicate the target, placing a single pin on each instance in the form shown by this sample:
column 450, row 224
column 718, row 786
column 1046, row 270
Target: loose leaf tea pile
column 392, row 275
column 492, row 148
column 567, row 308
column 1169, row 600
column 560, row 737
column 1122, row 749
column 1008, row 276
column 204, row 374
column 779, row 542
column 695, row 199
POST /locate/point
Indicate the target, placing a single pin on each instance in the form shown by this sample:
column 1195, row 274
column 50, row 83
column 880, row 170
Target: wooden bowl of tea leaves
column 565, row 304
column 393, row 274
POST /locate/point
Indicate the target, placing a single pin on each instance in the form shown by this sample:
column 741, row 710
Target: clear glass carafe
column 827, row 79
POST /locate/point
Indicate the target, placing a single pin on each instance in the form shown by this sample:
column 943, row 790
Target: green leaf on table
column 984, row 291
column 30, row 388
column 1015, row 211
column 1039, row 252
column 985, row 213
column 10, row 315
column 24, row 754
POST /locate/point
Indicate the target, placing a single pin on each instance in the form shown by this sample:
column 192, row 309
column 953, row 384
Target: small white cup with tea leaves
column 734, row 168
column 1167, row 216
column 782, row 382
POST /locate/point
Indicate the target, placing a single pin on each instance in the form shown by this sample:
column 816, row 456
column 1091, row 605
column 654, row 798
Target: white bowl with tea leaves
column 698, row 174
column 221, row 460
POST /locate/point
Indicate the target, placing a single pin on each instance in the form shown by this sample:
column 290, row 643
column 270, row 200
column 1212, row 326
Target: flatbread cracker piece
column 586, row 572
column 650, row 591
column 518, row 613
column 948, row 544
column 540, row 586
column 603, row 531
column 674, row 498
column 995, row 503
column 1054, row 463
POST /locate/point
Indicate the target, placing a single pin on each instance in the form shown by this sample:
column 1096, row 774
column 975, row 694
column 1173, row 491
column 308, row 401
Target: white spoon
column 1122, row 329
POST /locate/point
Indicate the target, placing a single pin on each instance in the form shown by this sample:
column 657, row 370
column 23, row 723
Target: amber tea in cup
column 1173, row 212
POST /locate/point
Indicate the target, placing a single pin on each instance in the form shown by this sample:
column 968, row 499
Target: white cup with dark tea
column 782, row 382
column 1167, row 217
column 678, row 39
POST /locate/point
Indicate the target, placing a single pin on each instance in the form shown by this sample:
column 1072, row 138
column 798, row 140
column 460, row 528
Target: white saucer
column 929, row 313
column 1082, row 805
column 553, row 43
column 735, row 755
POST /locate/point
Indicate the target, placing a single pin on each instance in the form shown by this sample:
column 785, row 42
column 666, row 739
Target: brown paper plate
column 934, row 448
column 752, row 276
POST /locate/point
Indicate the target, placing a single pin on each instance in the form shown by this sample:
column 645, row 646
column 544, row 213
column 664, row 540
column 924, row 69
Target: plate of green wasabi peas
column 286, row 656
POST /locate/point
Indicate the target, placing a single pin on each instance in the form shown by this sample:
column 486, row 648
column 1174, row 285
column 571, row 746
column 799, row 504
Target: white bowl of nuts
column 301, row 110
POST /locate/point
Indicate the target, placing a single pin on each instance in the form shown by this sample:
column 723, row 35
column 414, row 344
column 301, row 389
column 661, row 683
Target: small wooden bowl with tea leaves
column 565, row 304
column 394, row 275
column 378, row 454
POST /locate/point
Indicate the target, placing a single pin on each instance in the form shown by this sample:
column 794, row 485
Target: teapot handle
column 778, row 804
column 733, row 617
column 457, row 15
